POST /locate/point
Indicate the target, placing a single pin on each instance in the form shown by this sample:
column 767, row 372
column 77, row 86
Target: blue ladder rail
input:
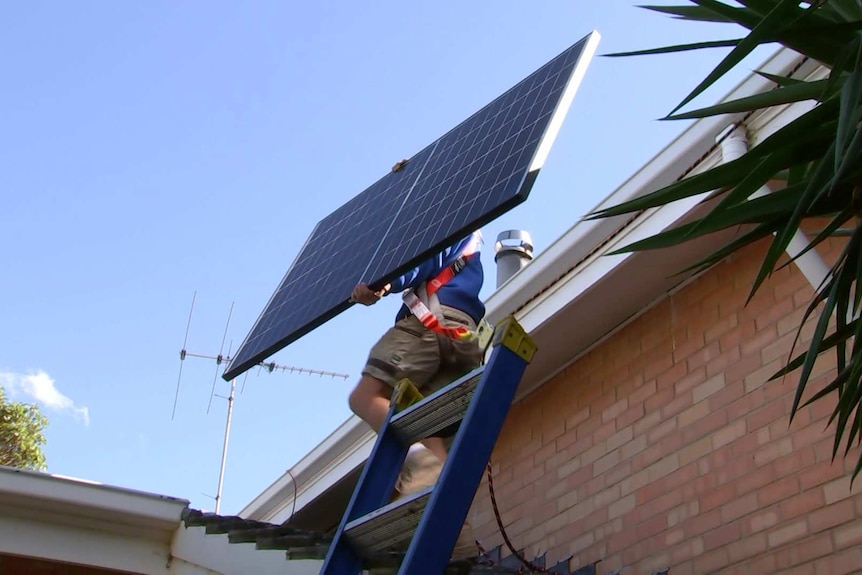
column 431, row 519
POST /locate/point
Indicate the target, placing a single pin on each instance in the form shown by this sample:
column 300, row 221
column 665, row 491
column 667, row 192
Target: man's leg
column 370, row 401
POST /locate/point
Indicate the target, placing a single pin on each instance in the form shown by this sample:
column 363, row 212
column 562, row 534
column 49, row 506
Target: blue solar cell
column 472, row 174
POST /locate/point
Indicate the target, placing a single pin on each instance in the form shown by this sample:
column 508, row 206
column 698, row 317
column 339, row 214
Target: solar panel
column 477, row 171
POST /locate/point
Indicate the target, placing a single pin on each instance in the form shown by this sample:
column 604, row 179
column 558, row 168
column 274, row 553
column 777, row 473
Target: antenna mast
column 269, row 367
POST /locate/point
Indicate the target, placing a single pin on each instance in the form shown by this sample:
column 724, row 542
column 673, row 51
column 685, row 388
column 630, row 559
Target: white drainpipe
column 810, row 263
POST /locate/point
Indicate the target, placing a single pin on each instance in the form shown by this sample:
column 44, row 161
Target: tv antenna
column 269, row 367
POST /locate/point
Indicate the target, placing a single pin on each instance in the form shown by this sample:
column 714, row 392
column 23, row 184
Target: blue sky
column 153, row 150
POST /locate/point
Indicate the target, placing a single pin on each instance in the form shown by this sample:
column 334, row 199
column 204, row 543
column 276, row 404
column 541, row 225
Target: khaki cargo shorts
column 428, row 359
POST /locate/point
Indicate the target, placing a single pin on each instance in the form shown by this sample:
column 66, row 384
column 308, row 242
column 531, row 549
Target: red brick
column 570, row 441
column 778, row 491
column 801, row 504
column 831, row 516
column 604, row 431
column 667, row 483
column 633, row 447
column 647, row 457
column 787, row 532
column 718, row 497
column 769, row 316
column 720, row 327
column 739, row 507
column 701, row 357
column 746, row 547
column 735, row 337
column 804, row 551
column 659, row 506
column 703, row 522
column 680, row 513
column 672, row 444
column 701, row 485
column 628, row 417
column 761, row 378
column 618, row 473
column 659, row 399
column 794, row 463
column 712, row 561
column 641, row 392
column 765, row 563
column 736, row 373
column 705, row 427
column 760, row 520
column 722, row 536
column 758, row 478
column 848, row 535
column 773, row 451
column 841, row 488
column 544, row 453
column 843, row 563
column 820, row 473
column 651, row 527
column 685, row 551
column 767, row 414
column 647, row 422
column 658, row 363
column 676, row 405
column 666, row 380
column 614, row 410
column 692, row 415
column 732, row 393
column 725, row 465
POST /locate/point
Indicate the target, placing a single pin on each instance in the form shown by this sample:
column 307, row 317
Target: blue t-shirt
column 462, row 291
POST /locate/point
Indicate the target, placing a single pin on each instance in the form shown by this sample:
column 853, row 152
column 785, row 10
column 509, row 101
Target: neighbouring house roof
column 566, row 289
column 303, row 544
column 51, row 522
column 113, row 526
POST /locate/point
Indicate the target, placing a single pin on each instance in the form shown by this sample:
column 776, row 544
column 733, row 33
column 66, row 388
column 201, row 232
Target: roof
column 46, row 497
column 303, row 544
column 114, row 528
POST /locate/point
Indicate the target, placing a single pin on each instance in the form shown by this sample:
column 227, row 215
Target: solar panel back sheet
column 474, row 173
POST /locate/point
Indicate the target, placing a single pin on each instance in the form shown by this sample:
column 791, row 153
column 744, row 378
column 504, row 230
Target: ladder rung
column 388, row 526
column 437, row 411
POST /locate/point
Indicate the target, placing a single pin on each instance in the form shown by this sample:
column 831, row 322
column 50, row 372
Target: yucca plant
column 819, row 155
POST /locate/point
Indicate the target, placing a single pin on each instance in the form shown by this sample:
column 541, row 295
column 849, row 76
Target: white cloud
column 39, row 387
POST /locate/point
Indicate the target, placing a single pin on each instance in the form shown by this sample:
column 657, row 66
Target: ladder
column 431, row 518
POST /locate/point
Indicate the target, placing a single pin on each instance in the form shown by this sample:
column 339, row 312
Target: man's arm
column 412, row 278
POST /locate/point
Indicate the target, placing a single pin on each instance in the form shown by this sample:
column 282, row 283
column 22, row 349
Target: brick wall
column 666, row 446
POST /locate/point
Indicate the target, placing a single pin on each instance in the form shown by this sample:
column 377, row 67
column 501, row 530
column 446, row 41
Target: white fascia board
column 83, row 546
column 46, row 493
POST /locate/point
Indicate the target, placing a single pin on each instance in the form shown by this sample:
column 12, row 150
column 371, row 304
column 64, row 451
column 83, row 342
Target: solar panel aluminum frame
column 400, row 188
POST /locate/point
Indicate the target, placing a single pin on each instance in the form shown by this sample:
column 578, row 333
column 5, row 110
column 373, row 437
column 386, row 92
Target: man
column 431, row 349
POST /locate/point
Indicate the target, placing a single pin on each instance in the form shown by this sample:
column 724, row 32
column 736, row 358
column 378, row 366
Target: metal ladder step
column 437, row 411
column 388, row 526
